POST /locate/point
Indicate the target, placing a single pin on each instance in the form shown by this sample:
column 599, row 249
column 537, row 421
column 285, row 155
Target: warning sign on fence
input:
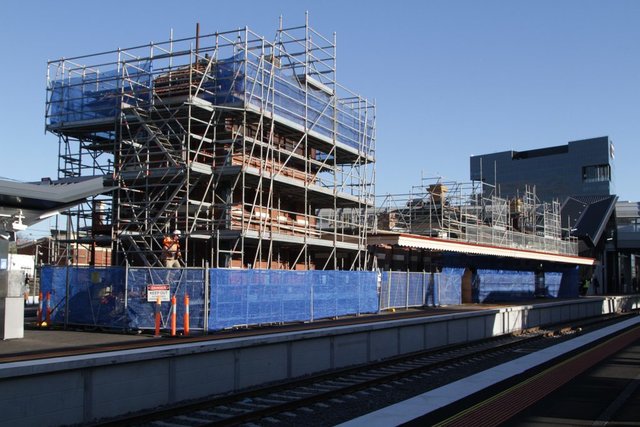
column 155, row 291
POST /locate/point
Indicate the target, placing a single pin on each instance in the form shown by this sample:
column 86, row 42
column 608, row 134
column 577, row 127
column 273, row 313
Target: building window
column 596, row 173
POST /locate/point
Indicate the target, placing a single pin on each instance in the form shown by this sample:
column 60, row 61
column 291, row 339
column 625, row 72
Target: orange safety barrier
column 173, row 316
column 40, row 309
column 186, row 314
column 158, row 304
column 48, row 319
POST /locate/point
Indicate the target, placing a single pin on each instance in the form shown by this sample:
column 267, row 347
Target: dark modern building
column 580, row 175
column 580, row 168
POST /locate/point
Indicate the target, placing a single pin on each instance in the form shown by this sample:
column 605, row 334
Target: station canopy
column 444, row 245
column 25, row 203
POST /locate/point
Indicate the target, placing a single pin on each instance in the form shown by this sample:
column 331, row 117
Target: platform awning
column 35, row 201
column 445, row 245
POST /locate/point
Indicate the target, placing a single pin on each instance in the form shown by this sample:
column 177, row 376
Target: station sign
column 155, row 291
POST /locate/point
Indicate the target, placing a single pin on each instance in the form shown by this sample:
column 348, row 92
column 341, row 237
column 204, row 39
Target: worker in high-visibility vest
column 171, row 250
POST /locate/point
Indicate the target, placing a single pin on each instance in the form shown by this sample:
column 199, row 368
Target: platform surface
column 39, row 341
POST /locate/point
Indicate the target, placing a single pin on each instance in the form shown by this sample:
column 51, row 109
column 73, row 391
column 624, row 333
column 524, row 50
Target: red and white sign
column 155, row 291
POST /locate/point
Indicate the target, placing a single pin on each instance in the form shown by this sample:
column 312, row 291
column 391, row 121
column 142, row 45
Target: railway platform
column 75, row 377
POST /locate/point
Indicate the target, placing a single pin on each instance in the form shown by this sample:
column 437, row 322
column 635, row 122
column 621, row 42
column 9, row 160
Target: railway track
column 289, row 404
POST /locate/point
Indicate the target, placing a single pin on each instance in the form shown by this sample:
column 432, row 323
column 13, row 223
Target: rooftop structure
column 235, row 140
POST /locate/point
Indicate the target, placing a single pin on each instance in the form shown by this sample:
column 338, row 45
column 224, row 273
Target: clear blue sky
column 450, row 78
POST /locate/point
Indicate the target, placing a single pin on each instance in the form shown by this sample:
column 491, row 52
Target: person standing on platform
column 171, row 250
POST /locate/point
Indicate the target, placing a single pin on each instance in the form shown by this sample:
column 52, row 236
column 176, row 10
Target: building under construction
column 237, row 141
column 473, row 213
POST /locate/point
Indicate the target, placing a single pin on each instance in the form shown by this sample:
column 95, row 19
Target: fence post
column 311, row 298
column 126, row 296
column 406, row 302
column 389, row 290
column 206, row 297
column 424, row 288
column 66, row 292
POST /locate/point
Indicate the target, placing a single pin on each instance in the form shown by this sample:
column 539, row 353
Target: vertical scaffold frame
column 249, row 147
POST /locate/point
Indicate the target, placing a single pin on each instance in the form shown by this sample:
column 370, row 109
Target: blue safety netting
column 505, row 285
column 235, row 81
column 96, row 295
column 94, row 94
column 403, row 289
column 569, row 284
column 552, row 281
column 181, row 282
column 254, row 297
column 449, row 286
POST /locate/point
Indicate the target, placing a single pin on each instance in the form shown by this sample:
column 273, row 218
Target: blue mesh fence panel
column 449, row 286
column 405, row 289
column 96, row 295
column 417, row 282
column 393, row 293
column 368, row 294
column 569, row 284
column 552, row 282
column 181, row 282
column 505, row 285
column 325, row 295
column 254, row 297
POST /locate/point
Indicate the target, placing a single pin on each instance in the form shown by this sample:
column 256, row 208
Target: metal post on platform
column 389, row 290
column 424, row 288
column 206, row 297
column 66, row 296
column 126, row 296
column 406, row 302
column 68, row 260
column 311, row 301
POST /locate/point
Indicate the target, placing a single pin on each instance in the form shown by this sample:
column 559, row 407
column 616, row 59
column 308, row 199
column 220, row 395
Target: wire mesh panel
column 254, row 297
column 181, row 282
column 552, row 281
column 449, row 286
column 569, row 284
column 505, row 285
column 404, row 289
column 96, row 295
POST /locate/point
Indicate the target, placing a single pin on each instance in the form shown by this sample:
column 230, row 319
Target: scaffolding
column 472, row 212
column 239, row 142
